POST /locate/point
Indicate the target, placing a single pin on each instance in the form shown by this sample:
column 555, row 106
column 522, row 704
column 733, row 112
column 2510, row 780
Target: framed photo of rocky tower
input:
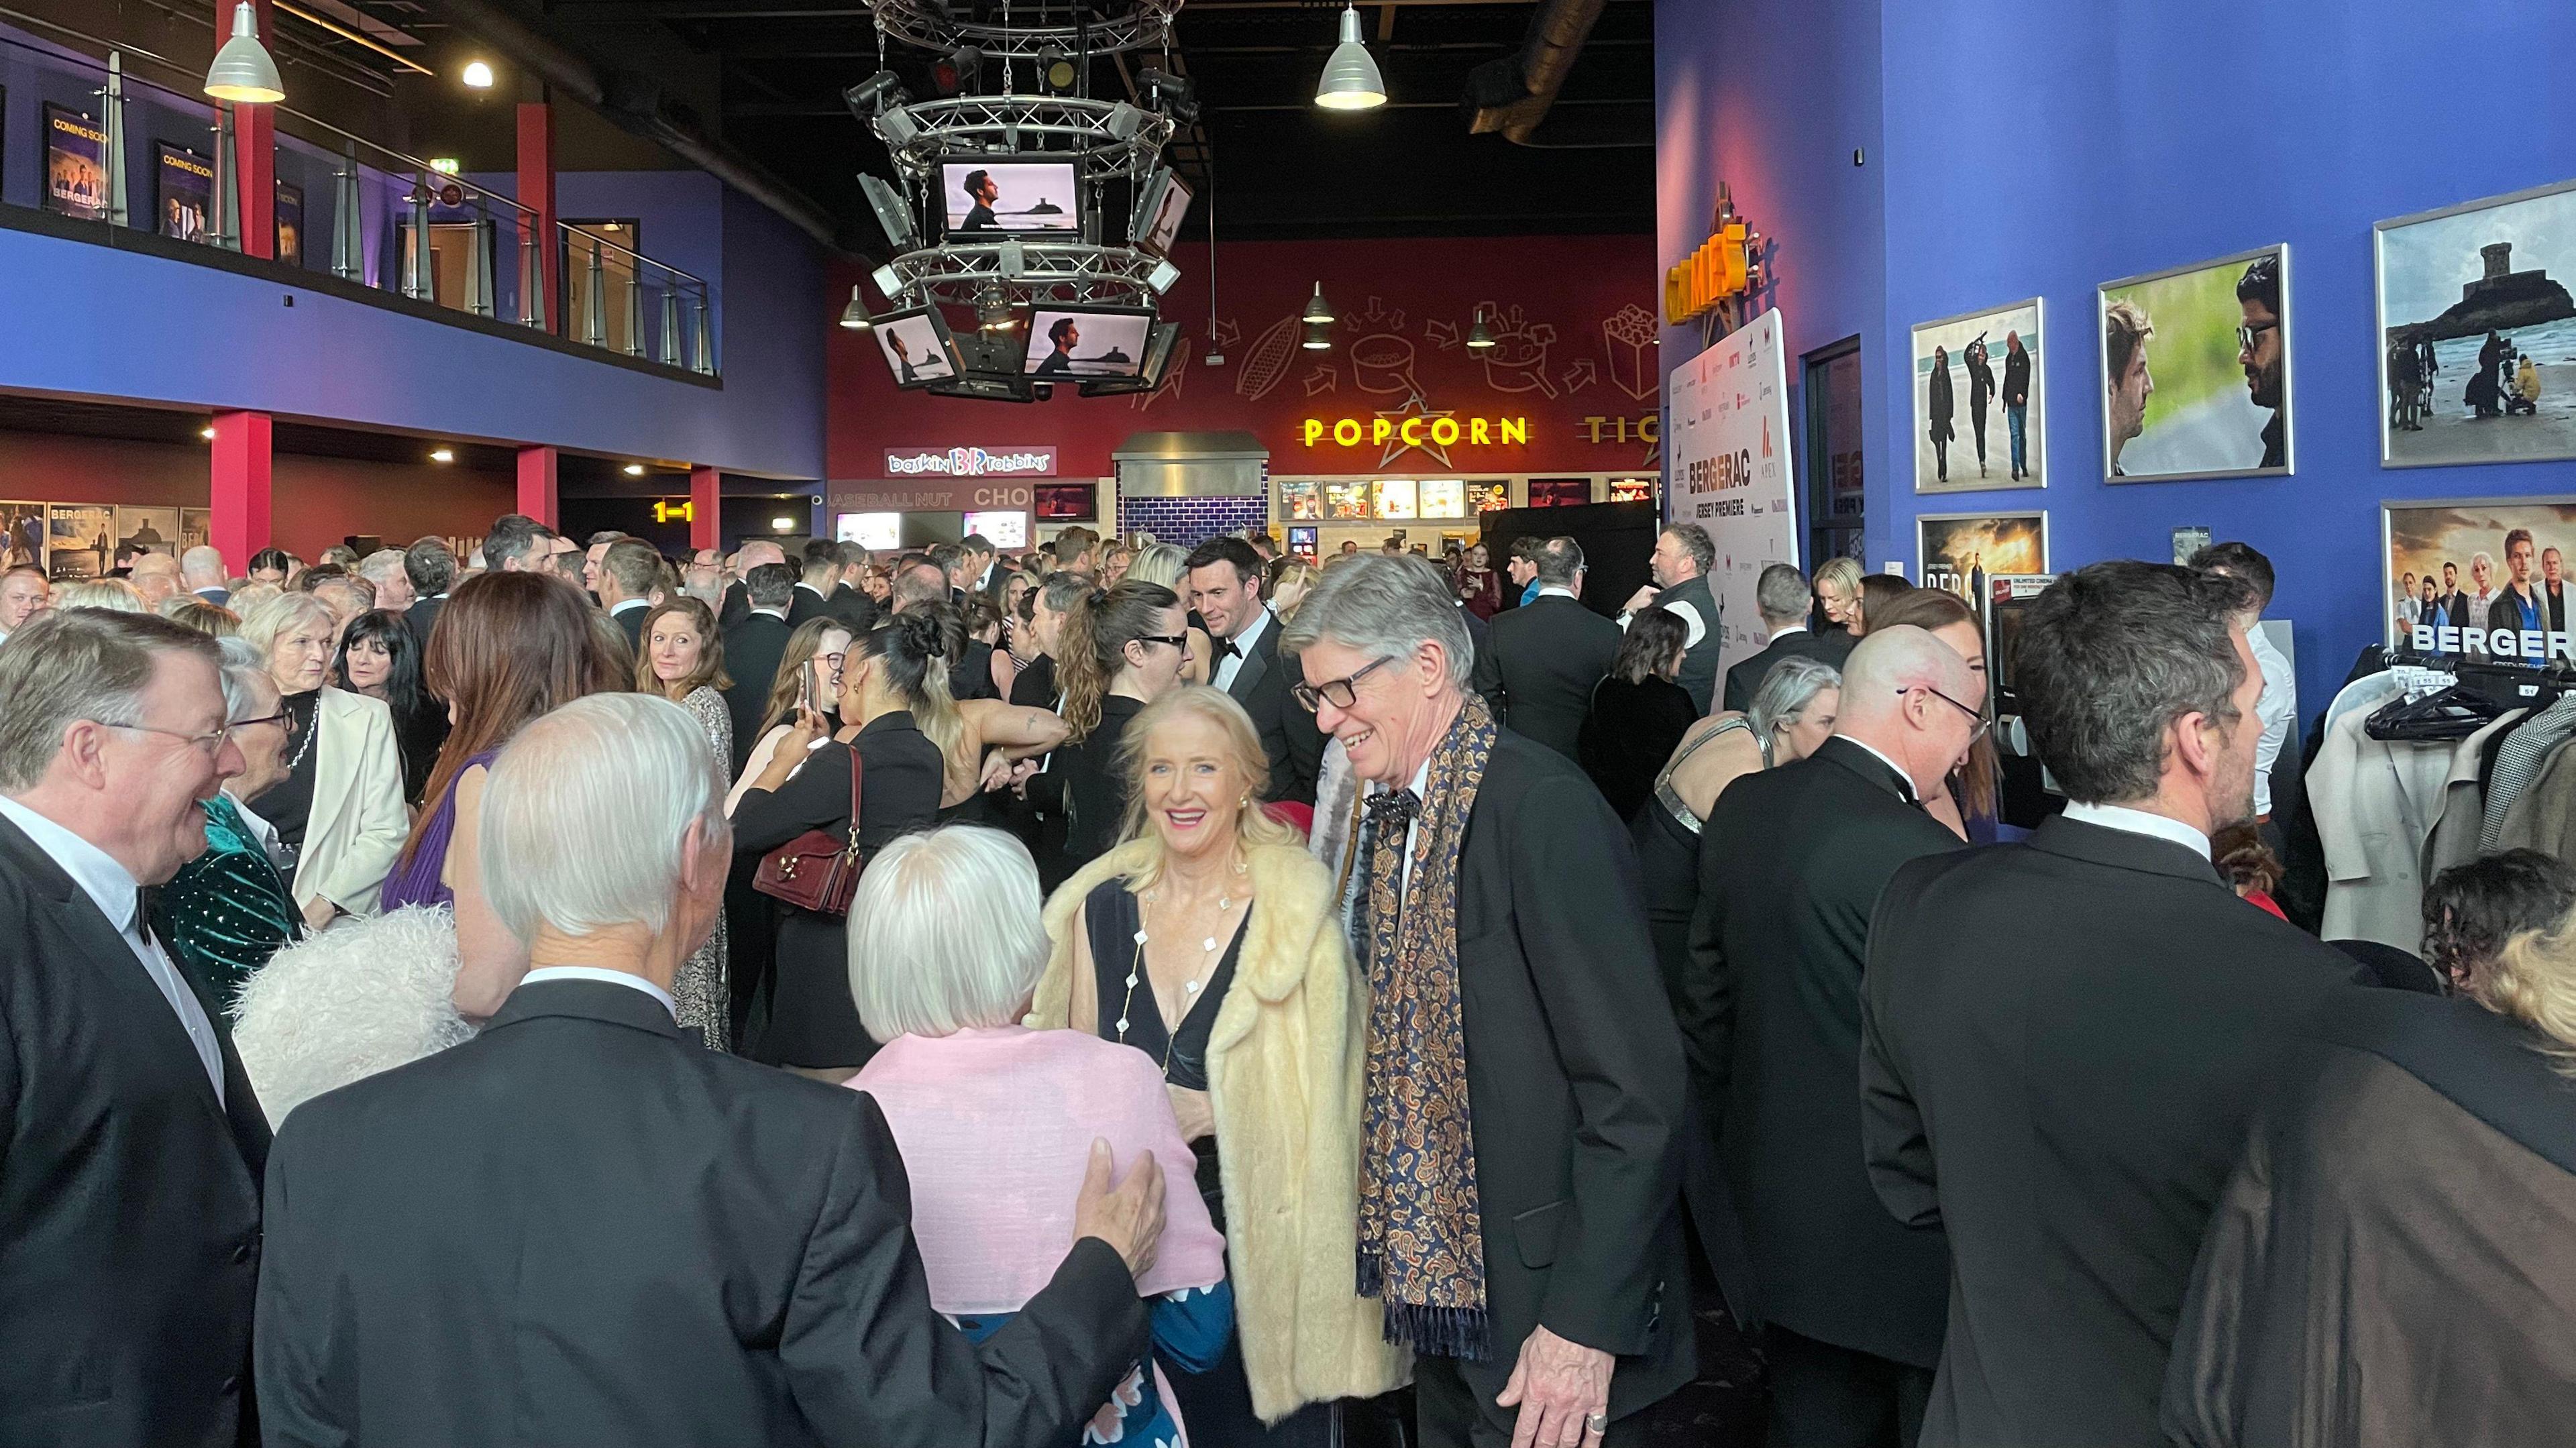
column 2477, row 331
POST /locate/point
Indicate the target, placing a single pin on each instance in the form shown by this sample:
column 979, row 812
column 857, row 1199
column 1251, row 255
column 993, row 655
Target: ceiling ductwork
column 1513, row 95
column 634, row 103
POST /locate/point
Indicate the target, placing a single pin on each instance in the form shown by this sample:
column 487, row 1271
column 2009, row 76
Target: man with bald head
column 1792, row 861
column 753, row 553
column 155, row 576
column 202, row 569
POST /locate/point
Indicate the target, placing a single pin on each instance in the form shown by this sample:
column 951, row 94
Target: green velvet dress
column 226, row 911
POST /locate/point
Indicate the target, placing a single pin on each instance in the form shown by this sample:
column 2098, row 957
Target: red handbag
column 817, row 870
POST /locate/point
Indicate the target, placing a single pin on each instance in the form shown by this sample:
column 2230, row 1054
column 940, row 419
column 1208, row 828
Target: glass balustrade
column 125, row 141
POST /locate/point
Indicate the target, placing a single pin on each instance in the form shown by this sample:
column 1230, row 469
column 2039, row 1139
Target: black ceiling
column 773, row 70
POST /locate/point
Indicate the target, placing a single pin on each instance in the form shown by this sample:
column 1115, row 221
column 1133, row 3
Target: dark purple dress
column 415, row 878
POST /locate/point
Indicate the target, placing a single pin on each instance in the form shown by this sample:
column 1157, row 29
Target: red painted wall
column 317, row 501
column 1562, row 307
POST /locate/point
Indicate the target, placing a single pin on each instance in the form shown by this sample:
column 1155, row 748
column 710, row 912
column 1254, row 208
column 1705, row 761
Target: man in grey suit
column 1552, row 651
column 1780, row 595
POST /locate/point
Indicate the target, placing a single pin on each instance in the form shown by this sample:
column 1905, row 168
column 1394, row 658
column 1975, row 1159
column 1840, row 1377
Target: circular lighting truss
column 1108, row 139
column 1048, row 271
column 1113, row 28
column 1104, row 141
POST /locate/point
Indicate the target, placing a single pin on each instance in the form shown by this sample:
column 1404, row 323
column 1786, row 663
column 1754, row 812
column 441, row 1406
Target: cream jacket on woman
column 1283, row 1066
column 358, row 823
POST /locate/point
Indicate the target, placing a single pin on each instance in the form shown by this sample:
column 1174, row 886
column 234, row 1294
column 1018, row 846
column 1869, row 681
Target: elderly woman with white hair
column 339, row 810
column 997, row 1123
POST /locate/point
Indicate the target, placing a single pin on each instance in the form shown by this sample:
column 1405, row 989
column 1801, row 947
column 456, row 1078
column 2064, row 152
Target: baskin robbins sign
column 970, row 462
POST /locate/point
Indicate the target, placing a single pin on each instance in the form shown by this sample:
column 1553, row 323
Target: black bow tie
column 1394, row 808
column 1226, row 649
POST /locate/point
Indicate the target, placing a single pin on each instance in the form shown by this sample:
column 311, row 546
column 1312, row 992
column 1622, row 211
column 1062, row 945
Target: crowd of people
column 536, row 990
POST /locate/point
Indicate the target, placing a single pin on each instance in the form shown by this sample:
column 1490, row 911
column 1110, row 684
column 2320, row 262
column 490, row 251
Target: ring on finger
column 1596, row 1423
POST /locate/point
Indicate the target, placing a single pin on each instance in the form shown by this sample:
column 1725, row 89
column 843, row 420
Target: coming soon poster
column 1727, row 436
column 75, row 164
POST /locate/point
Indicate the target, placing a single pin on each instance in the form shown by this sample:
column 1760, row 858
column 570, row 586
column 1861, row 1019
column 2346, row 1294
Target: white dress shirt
column 1558, row 589
column 1779, row 634
column 2140, row 822
column 2278, row 709
column 632, row 603
column 112, row 890
column 626, row 978
column 1228, row 666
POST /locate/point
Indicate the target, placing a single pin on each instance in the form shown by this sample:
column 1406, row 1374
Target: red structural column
column 254, row 144
column 706, row 509
column 537, row 193
column 239, row 487
column 537, row 483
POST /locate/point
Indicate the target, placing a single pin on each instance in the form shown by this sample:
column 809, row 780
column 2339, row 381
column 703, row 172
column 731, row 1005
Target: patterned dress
column 700, row 990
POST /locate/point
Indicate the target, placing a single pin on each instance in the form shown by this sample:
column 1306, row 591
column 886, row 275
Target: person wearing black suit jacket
column 1551, row 652
column 432, row 571
column 2063, row 1039
column 820, row 575
column 584, row 1227
column 1780, row 595
column 1223, row 583
column 1792, row 861
column 737, row 599
column 753, row 647
column 847, row 603
column 1504, row 935
column 630, row 583
column 130, row 1168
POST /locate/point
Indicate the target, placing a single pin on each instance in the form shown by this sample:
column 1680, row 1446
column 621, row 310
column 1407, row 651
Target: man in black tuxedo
column 737, row 599
column 432, row 570
column 1780, row 596
column 753, row 648
column 1551, row 652
column 1523, row 944
column 1791, row 863
column 1035, row 686
column 630, row 584
column 130, row 1168
column 847, row 603
column 583, row 1227
column 1224, row 584
column 815, row 585
column 2063, row 1039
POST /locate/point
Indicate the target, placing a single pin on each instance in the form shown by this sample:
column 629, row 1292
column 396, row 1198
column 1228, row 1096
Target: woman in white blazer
column 340, row 808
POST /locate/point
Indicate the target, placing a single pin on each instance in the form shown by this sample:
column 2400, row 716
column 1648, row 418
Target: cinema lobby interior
column 1789, row 723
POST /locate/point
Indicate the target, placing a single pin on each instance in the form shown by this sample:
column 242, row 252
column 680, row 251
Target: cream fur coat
column 1284, row 1060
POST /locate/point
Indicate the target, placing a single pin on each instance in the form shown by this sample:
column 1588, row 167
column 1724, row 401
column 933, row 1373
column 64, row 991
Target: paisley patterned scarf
column 1421, row 1242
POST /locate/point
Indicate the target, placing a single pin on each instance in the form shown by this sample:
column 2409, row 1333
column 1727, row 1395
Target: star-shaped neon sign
column 1411, row 431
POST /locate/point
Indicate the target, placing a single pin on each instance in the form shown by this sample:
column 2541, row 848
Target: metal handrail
column 595, row 237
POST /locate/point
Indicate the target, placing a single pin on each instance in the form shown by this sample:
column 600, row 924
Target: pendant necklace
column 1208, row 947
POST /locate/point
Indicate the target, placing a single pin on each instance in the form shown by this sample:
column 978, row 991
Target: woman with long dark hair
column 1119, row 650
column 380, row 658
column 507, row 648
column 804, row 1020
column 683, row 661
column 1638, row 713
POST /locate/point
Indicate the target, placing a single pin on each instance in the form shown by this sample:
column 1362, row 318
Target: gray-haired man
column 130, row 1172
column 1527, row 1242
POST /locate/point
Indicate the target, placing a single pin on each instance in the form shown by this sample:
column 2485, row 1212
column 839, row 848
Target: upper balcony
column 129, row 155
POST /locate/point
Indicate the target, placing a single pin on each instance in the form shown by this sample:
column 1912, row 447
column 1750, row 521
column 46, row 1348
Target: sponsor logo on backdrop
column 971, row 462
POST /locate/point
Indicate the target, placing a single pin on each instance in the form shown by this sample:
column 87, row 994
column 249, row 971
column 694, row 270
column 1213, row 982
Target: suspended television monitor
column 1162, row 204
column 1072, row 343
column 917, row 346
column 985, row 196
column 1068, row 502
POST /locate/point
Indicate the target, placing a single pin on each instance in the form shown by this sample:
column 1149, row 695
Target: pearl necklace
column 1208, row 947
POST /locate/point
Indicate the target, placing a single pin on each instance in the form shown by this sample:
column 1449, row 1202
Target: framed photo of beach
column 2477, row 331
column 2196, row 371
column 1979, row 407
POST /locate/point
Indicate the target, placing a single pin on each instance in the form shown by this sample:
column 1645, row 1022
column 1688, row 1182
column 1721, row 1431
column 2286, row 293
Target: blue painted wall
column 2038, row 147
